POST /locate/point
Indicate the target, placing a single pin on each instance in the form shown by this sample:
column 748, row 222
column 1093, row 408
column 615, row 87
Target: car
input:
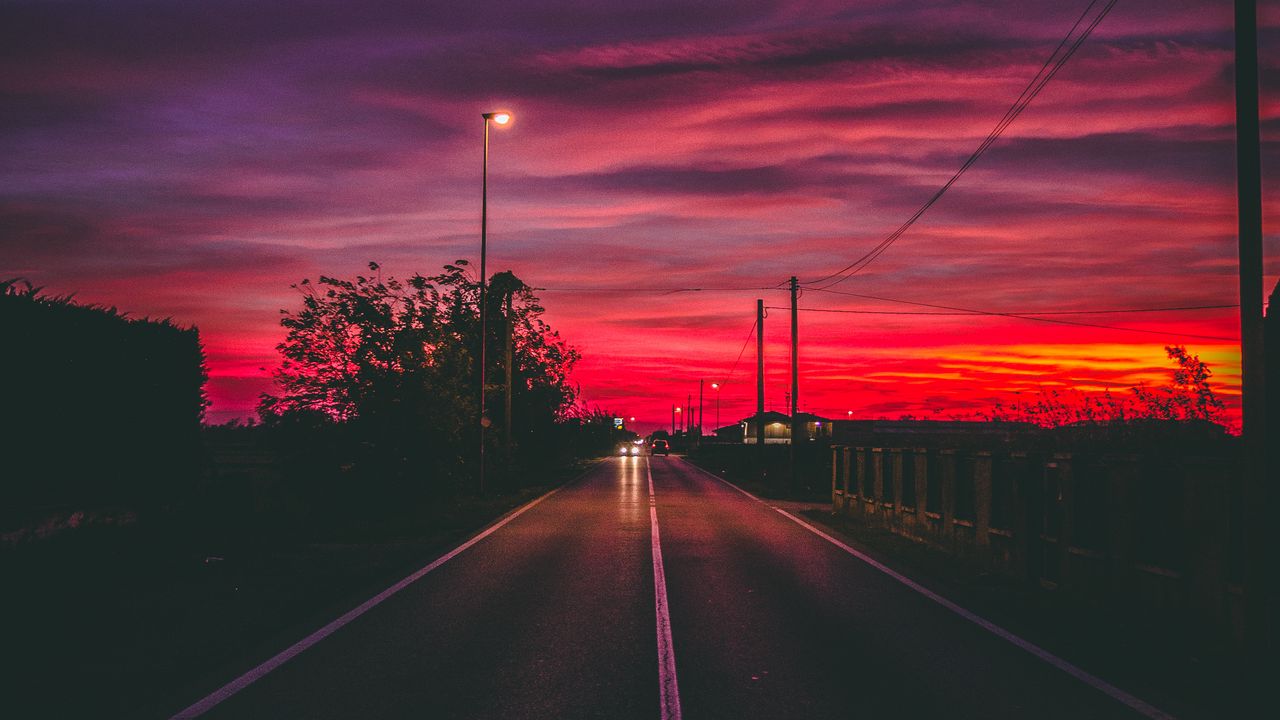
column 660, row 446
column 627, row 449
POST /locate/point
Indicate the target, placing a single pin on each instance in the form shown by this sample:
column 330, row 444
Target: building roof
column 771, row 416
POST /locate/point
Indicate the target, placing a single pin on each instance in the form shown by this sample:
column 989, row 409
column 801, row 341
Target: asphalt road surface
column 649, row 589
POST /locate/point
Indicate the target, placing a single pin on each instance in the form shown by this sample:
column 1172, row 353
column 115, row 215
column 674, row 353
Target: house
column 777, row 428
column 730, row 433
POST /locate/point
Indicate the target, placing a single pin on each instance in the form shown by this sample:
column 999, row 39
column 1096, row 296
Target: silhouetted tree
column 1188, row 397
column 393, row 363
column 541, row 359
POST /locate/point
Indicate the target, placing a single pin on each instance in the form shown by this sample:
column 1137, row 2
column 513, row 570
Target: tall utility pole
column 795, row 378
column 688, row 412
column 1253, row 408
column 760, row 380
column 700, row 421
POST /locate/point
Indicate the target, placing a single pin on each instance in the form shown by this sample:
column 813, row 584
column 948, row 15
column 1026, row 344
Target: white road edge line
column 217, row 696
column 668, row 688
column 1074, row 671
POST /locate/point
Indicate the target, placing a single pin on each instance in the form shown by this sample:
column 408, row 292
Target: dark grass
column 141, row 620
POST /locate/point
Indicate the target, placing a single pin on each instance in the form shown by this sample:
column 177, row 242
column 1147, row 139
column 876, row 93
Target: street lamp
column 716, row 387
column 501, row 118
column 681, row 419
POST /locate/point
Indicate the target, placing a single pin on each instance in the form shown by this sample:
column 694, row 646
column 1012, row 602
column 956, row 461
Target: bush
column 100, row 408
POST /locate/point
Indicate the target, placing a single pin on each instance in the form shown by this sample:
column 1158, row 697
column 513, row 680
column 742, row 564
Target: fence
column 1152, row 535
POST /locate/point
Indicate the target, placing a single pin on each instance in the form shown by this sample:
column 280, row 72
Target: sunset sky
column 193, row 159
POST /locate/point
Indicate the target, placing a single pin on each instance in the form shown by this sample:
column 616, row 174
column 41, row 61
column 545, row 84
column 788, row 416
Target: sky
column 194, row 159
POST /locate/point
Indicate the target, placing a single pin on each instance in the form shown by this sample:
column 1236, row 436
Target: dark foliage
column 100, row 408
column 383, row 372
column 1183, row 415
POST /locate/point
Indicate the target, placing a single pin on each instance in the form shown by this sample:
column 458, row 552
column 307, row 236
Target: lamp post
column 716, row 387
column 501, row 118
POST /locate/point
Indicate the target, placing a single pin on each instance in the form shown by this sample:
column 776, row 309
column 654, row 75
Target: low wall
column 1159, row 536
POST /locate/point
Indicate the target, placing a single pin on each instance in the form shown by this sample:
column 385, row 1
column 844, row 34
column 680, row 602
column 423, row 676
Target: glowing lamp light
column 502, row 118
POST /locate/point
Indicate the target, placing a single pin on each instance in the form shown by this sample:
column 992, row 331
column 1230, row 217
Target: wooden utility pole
column 760, row 379
column 700, row 382
column 1252, row 376
column 795, row 378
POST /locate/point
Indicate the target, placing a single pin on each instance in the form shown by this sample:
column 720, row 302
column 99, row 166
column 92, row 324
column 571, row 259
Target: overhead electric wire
column 1110, row 311
column 918, row 313
column 641, row 290
column 899, row 301
column 1047, row 71
column 1121, row 311
column 1033, row 316
column 745, row 343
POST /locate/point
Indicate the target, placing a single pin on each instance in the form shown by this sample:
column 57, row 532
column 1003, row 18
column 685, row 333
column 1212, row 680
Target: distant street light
column 501, row 118
column 850, row 414
column 716, row 387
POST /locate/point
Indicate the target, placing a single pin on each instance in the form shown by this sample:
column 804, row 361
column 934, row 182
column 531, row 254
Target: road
column 603, row 600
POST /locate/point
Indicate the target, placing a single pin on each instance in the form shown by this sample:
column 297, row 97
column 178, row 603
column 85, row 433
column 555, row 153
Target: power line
column 1133, row 310
column 1019, row 312
column 1033, row 317
column 639, row 290
column 746, row 342
column 1047, row 71
column 899, row 301
column 960, row 313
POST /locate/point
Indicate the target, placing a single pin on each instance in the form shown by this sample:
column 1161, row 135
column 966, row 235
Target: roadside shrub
column 100, row 408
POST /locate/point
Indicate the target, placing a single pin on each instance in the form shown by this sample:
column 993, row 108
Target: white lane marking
column 668, row 688
column 247, row 679
column 1074, row 671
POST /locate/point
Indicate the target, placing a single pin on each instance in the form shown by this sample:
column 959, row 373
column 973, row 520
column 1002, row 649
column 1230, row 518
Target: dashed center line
column 668, row 688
